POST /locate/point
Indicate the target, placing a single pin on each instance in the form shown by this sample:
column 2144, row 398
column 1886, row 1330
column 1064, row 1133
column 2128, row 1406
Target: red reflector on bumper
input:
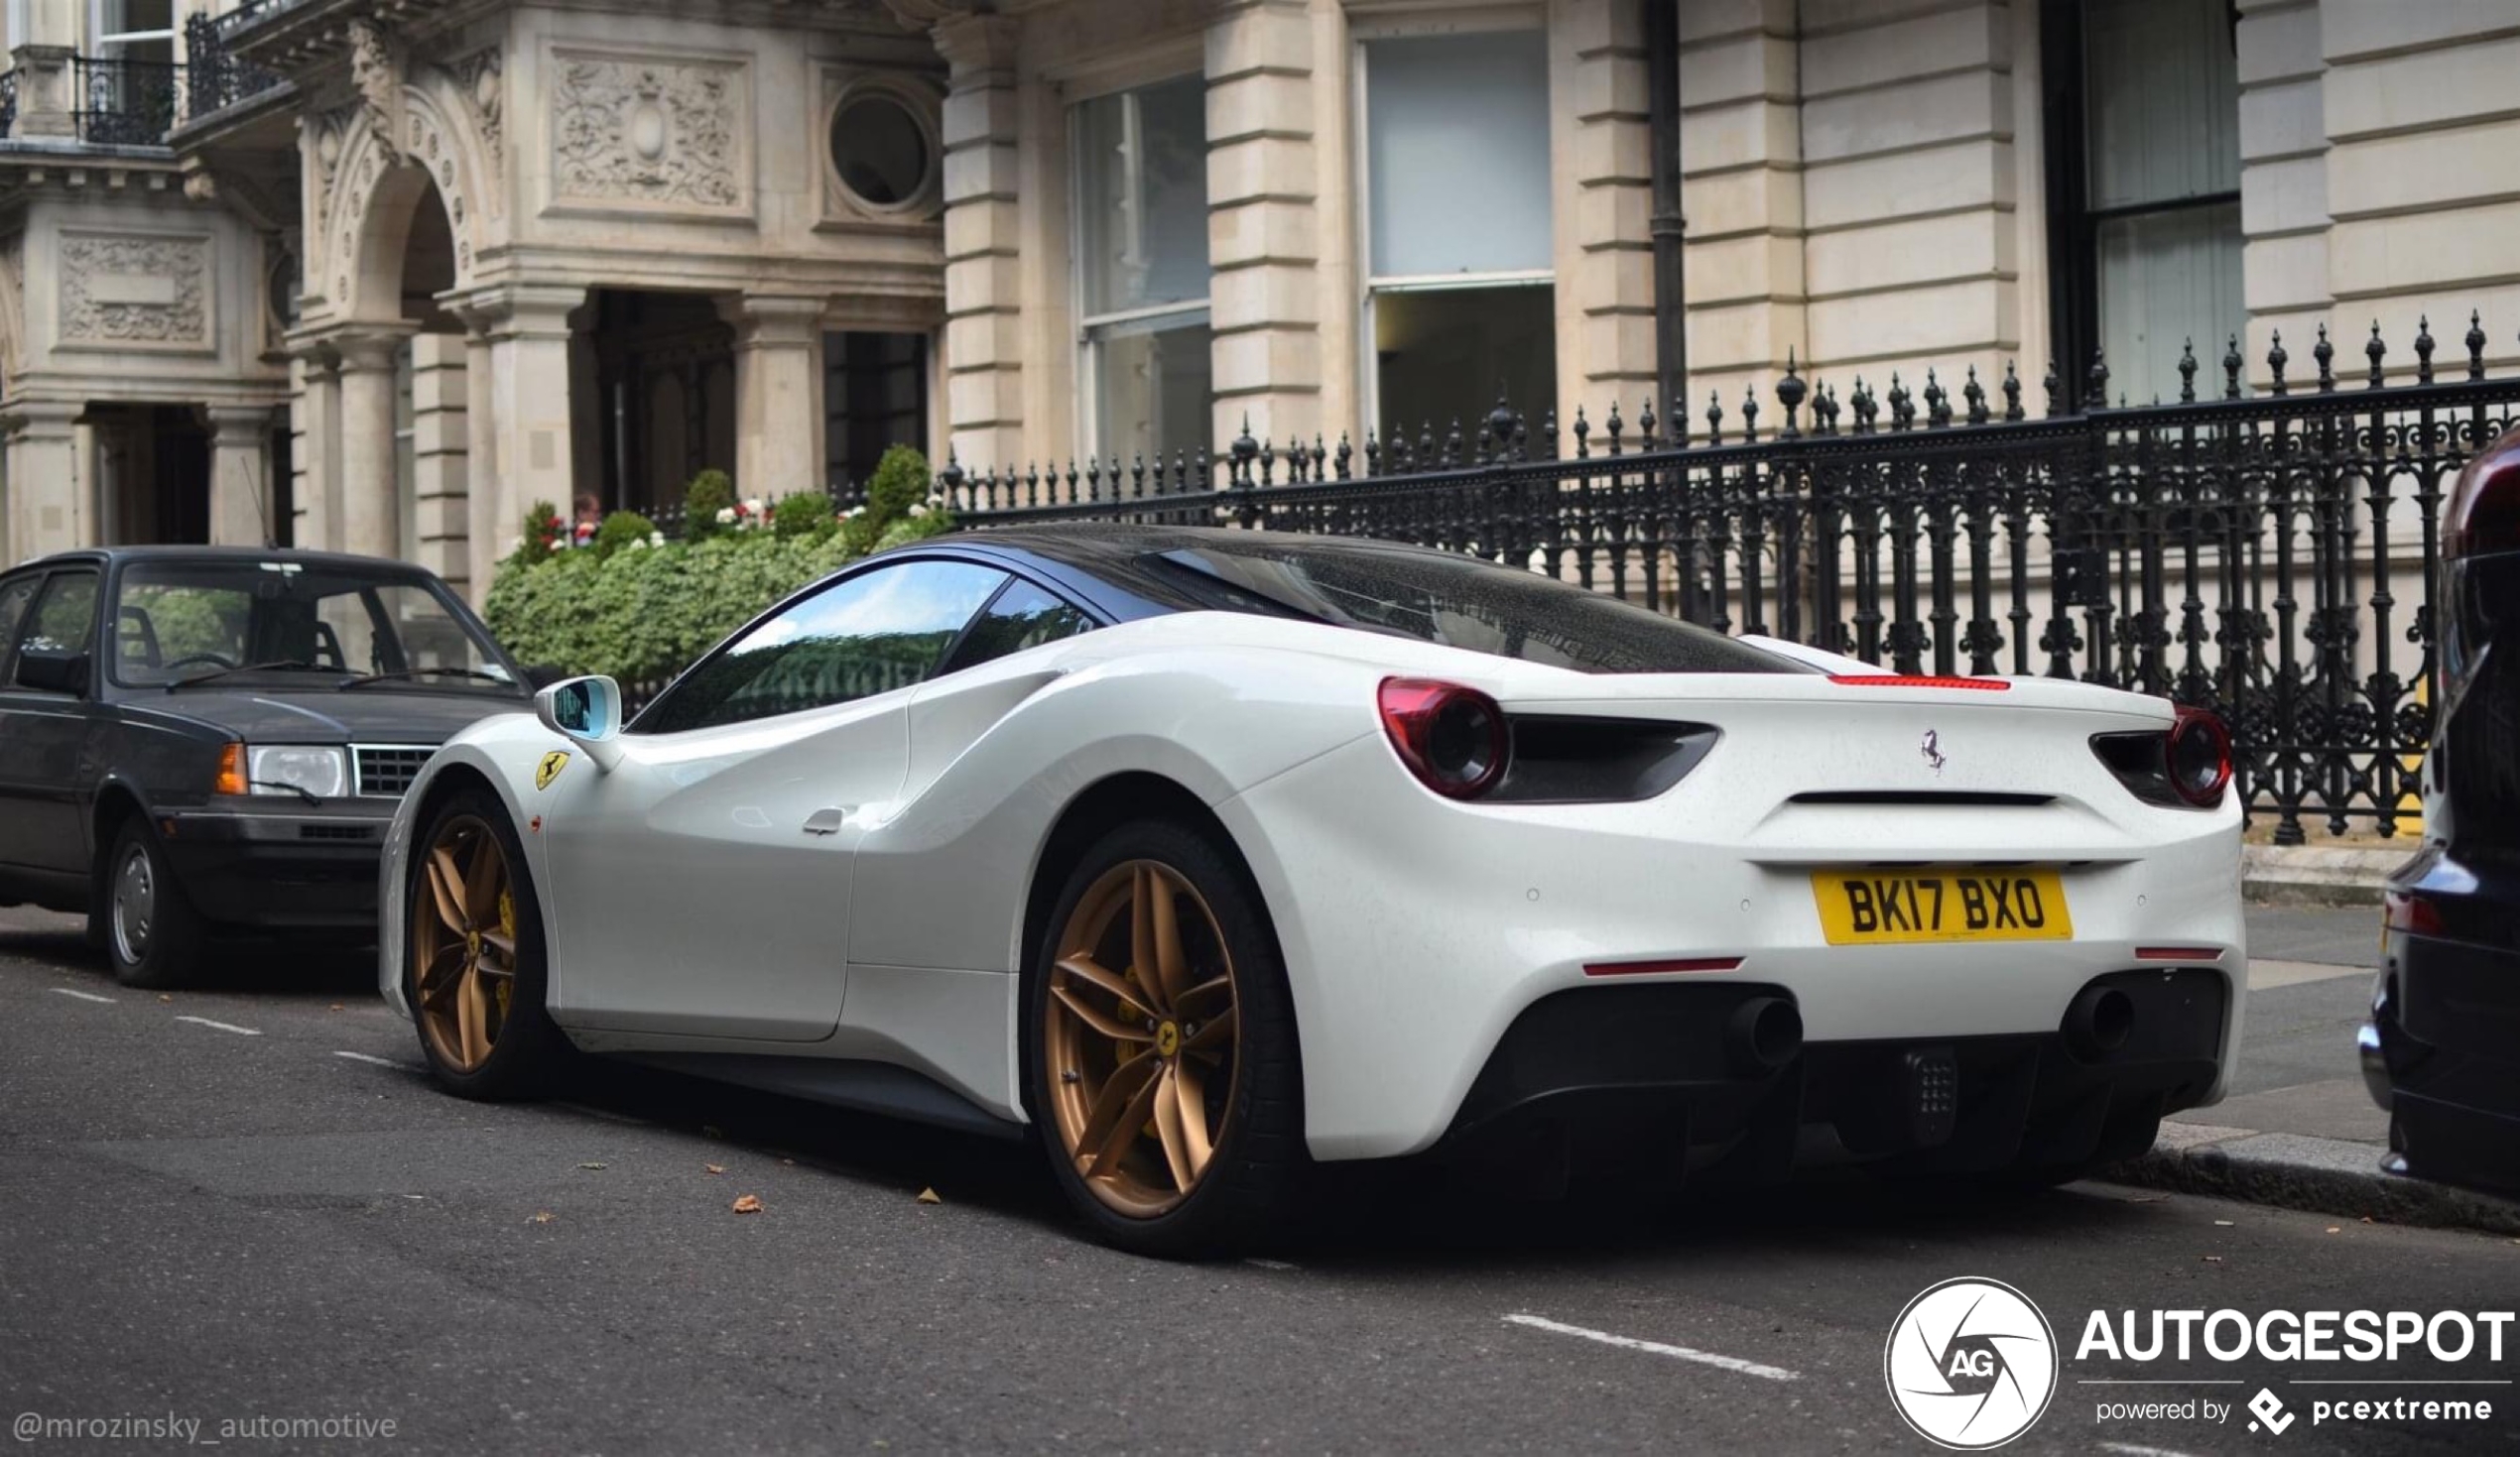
column 1897, row 681
column 1648, row 969
column 2412, row 915
column 2178, row 953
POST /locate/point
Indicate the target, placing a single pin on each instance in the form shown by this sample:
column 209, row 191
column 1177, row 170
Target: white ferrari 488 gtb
column 1211, row 855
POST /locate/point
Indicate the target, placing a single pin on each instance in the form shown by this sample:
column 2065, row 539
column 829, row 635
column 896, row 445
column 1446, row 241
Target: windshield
column 179, row 620
column 1459, row 602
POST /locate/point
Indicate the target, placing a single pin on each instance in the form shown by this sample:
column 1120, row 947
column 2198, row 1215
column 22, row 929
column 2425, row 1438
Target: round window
column 880, row 149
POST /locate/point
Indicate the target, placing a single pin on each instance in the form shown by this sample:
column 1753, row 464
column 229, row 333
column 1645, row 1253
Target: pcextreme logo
column 1970, row 1364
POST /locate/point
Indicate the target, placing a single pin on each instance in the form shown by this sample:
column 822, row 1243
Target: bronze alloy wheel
column 1140, row 1037
column 463, row 942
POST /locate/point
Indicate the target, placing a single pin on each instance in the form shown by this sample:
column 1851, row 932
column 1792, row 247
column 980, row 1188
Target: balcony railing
column 246, row 13
column 220, row 78
column 124, row 104
column 8, row 102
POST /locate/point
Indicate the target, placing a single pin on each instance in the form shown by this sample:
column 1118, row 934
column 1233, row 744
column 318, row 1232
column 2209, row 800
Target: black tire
column 152, row 935
column 530, row 1058
column 1256, row 1174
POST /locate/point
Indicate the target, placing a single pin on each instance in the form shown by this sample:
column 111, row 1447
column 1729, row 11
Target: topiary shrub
column 806, row 515
column 901, row 481
column 620, row 530
column 545, row 533
column 711, row 492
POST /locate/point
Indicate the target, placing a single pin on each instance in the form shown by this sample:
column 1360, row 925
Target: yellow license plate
column 1863, row 908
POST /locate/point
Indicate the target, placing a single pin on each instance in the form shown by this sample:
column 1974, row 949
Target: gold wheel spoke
column 446, row 888
column 1193, row 1005
column 1143, row 889
column 481, row 880
column 434, row 983
column 1214, row 1036
column 1169, row 1131
column 1116, row 1031
column 1171, row 968
column 1115, row 1145
column 472, row 1009
column 1093, row 973
column 1192, row 1096
column 504, row 945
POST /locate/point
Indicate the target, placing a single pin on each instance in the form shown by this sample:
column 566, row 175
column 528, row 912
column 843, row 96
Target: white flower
column 918, row 509
column 559, row 544
column 635, row 543
column 655, row 539
column 853, row 512
column 725, row 515
column 753, row 504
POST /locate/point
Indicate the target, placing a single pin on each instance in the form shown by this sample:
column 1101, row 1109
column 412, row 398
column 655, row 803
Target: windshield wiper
column 286, row 665
column 412, row 673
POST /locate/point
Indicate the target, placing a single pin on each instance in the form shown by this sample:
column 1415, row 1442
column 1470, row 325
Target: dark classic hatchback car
column 194, row 739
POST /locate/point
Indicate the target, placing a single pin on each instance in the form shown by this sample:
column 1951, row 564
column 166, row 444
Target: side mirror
column 586, row 710
column 52, row 672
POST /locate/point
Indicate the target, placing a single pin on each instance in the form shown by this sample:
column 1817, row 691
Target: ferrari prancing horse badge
column 553, row 763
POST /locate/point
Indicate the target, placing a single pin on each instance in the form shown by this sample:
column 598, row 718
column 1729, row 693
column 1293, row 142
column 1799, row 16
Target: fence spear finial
column 2012, row 388
column 2422, row 349
column 2323, row 352
column 2187, row 371
column 2274, row 358
column 2475, row 345
column 2374, row 351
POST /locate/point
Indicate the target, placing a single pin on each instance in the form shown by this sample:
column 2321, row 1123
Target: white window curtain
column 1460, row 295
column 2163, row 129
column 1141, row 169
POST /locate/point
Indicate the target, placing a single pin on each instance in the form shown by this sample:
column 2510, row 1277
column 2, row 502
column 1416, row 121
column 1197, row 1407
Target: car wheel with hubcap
column 474, row 967
column 1162, row 1047
column 148, row 928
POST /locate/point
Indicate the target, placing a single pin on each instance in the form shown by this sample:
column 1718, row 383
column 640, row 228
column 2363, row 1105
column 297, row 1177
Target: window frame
column 947, row 660
column 9, row 638
column 1362, row 34
column 52, row 577
column 1095, row 331
column 953, row 662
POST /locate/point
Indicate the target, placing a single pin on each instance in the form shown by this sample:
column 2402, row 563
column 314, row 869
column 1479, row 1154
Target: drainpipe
column 1662, row 112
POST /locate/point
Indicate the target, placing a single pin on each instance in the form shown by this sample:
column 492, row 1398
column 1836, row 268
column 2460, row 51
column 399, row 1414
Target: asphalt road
column 248, row 1205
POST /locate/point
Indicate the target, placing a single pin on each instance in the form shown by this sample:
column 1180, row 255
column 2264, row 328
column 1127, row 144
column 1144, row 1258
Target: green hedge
column 641, row 612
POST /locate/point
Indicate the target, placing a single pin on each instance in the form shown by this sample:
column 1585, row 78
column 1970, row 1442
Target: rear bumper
column 2442, row 1054
column 1643, row 1081
column 308, row 870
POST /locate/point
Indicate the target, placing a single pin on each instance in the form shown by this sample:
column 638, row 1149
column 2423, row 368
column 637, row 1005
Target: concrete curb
column 2291, row 1171
column 2317, row 875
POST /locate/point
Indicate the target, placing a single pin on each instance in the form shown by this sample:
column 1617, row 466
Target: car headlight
column 281, row 768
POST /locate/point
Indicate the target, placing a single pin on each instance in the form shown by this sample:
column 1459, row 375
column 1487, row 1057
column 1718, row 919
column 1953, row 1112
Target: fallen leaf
column 2227, row 1224
column 163, row 997
column 335, row 1006
column 790, row 1163
column 2213, row 1260
column 590, row 1165
column 2332, row 1229
column 929, row 1196
column 541, row 1217
column 2366, row 1219
column 748, row 1204
column 714, row 1167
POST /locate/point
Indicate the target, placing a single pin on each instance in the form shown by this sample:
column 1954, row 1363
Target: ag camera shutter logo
column 1970, row 1364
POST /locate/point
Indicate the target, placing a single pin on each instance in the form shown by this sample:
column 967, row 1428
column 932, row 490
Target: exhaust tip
column 1764, row 1034
column 2098, row 1023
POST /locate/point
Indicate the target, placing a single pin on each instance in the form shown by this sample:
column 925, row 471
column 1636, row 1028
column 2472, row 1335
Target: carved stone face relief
column 650, row 133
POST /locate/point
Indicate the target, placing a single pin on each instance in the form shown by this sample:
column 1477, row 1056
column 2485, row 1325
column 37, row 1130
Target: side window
column 879, row 631
column 65, row 617
column 1023, row 616
column 14, row 597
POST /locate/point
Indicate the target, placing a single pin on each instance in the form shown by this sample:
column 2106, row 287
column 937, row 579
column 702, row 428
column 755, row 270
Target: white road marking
column 225, row 1027
column 363, row 1057
column 1656, row 1347
column 1259, row 1264
column 84, row 996
column 2132, row 1450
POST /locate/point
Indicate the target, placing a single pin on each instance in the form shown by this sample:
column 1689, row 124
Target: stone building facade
column 376, row 274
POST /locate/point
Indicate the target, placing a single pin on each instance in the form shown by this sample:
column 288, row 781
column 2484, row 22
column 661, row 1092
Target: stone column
column 485, row 534
column 48, row 501
column 777, row 394
column 1263, row 227
column 983, row 350
column 440, row 441
column 314, row 416
column 1605, row 197
column 1741, row 146
column 240, row 476
column 519, row 417
column 2283, row 195
column 371, row 507
column 45, row 93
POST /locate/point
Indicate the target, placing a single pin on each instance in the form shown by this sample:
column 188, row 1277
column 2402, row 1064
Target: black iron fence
column 125, row 103
column 219, row 77
column 2266, row 556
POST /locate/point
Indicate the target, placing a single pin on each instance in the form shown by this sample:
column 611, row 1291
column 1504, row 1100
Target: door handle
column 825, row 822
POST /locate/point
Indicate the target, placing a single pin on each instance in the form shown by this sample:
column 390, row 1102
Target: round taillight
column 1452, row 738
column 2200, row 757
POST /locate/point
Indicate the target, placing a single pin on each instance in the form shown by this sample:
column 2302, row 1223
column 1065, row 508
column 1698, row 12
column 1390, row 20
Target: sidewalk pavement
column 2298, row 1128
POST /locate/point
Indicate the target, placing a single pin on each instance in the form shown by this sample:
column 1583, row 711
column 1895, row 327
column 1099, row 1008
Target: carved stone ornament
column 378, row 74
column 649, row 133
column 127, row 290
column 476, row 79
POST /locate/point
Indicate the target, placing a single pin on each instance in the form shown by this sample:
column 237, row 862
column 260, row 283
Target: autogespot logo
column 1972, row 1364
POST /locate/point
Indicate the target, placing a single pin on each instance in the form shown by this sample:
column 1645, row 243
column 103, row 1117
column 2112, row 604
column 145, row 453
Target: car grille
column 387, row 770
